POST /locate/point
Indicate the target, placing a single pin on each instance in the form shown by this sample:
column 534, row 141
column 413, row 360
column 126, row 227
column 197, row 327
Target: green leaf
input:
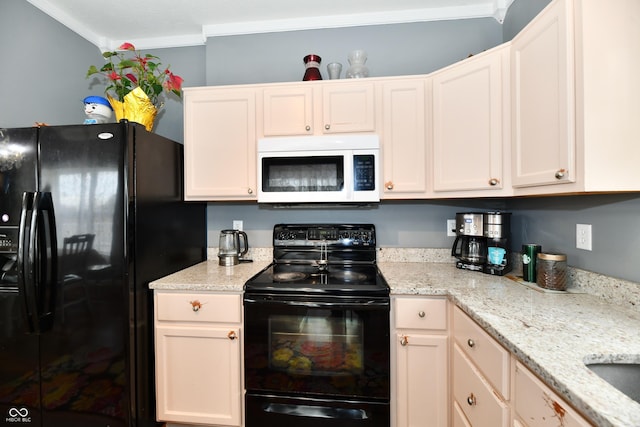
column 92, row 70
column 108, row 54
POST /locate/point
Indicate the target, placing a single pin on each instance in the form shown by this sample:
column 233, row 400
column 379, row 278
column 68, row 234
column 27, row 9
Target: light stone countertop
column 551, row 333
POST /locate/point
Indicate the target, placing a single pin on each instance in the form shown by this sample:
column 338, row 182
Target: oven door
column 317, row 346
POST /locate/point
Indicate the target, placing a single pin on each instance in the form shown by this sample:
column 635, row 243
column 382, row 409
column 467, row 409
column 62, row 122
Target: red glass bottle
column 312, row 65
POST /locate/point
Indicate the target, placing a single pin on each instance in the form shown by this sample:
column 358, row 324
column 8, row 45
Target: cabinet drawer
column 538, row 406
column 198, row 307
column 474, row 396
column 421, row 313
column 485, row 352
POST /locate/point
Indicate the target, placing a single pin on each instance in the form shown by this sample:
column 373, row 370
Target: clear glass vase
column 357, row 69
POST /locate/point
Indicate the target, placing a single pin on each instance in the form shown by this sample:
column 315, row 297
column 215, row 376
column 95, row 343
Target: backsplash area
column 612, row 290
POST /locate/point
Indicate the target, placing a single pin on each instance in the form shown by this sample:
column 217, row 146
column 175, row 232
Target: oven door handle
column 362, row 303
column 313, row 411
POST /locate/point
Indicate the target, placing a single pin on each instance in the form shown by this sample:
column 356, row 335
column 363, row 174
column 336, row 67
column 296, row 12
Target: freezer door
column 19, row 369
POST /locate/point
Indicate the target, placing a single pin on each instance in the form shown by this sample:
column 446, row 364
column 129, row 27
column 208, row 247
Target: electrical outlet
column 583, row 236
column 451, row 228
column 237, row 224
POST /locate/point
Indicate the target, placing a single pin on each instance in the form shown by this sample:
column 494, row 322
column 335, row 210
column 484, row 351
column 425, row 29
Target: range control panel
column 334, row 235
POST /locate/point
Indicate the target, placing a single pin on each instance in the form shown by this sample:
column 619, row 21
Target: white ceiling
column 175, row 23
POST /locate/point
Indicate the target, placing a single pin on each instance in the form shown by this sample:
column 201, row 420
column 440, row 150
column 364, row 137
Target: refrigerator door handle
column 37, row 260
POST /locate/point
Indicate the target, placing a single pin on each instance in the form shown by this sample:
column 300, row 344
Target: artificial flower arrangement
column 135, row 84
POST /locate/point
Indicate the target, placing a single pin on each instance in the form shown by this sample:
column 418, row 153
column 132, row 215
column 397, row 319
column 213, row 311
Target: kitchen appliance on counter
column 319, row 169
column 230, row 250
column 317, row 349
column 89, row 215
column 483, row 242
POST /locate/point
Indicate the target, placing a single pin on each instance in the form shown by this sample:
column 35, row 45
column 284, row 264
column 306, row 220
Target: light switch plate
column 237, row 224
column 451, row 228
column 583, row 237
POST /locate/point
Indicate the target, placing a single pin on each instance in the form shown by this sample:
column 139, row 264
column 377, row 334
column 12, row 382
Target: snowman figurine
column 97, row 109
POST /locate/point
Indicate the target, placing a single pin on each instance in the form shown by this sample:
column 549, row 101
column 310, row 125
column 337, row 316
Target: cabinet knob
column 195, row 305
column 389, row 185
column 471, row 400
column 404, row 340
column 232, row 335
column 307, row 128
column 471, row 343
column 250, row 190
column 327, row 127
column 561, row 173
column 494, row 181
column 421, row 314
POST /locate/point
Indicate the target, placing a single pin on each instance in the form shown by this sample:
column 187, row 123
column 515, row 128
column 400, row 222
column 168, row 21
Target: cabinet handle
column 327, row 127
column 471, row 400
column 389, row 185
column 232, row 335
column 421, row 314
column 195, row 305
column 250, row 190
column 494, row 181
column 404, row 340
column 471, row 343
column 561, row 173
column 307, row 128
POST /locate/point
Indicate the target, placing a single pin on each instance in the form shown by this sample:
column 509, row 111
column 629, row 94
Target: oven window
column 316, row 345
column 308, row 174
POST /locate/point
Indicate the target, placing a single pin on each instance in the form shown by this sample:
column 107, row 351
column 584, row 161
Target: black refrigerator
column 89, row 215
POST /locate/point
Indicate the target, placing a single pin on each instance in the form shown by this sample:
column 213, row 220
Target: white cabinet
column 220, row 143
column 198, row 358
column 317, row 108
column 405, row 140
column 420, row 390
column 471, row 140
column 480, row 375
column 574, row 124
column 536, row 405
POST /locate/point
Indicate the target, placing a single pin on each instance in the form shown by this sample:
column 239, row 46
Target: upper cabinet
column 317, row 108
column 574, row 98
column 471, row 126
column 220, row 144
column 405, row 140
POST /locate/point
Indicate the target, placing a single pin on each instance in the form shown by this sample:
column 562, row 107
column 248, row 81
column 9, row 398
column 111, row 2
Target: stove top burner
column 289, row 276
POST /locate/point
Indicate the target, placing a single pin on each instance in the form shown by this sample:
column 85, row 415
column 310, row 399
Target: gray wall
column 44, row 69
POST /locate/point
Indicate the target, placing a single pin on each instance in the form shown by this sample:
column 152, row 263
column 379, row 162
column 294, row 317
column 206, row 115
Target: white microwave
column 319, row 169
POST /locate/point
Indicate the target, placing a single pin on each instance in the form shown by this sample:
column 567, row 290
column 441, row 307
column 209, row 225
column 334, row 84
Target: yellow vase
column 136, row 108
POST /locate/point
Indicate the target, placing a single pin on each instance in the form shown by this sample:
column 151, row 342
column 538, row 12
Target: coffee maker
column 470, row 246
column 483, row 242
column 497, row 231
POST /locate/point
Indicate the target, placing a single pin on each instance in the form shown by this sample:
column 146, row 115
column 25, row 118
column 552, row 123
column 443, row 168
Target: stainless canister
column 551, row 271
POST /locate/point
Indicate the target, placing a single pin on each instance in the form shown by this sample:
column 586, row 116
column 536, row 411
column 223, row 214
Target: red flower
column 126, row 46
column 132, row 78
column 173, row 83
column 114, row 76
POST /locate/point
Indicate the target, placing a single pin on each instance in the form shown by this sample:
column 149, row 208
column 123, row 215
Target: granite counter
column 553, row 334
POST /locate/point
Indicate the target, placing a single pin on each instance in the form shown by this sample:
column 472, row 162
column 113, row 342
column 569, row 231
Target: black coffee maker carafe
column 470, row 246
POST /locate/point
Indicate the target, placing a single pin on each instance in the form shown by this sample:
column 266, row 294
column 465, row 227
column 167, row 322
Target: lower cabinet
column 420, row 395
column 198, row 358
column 491, row 388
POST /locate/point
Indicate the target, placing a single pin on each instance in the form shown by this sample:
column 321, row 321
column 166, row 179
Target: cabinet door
column 543, row 93
column 405, row 143
column 422, row 391
column 469, row 114
column 348, row 107
column 220, row 144
column 198, row 374
column 537, row 406
column 287, row 111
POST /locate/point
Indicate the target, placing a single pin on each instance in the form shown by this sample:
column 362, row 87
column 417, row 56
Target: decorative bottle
column 312, row 65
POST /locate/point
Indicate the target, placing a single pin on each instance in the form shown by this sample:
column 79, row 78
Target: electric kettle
column 229, row 249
